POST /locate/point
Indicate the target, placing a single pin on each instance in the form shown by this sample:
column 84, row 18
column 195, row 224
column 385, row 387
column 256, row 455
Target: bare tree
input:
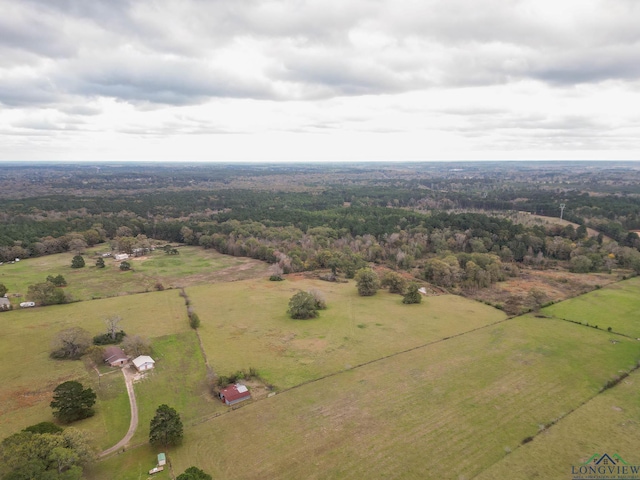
column 112, row 323
column 71, row 343
column 136, row 345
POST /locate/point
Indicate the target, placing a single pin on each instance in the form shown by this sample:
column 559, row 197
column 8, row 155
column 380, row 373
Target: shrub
column 412, row 295
column 302, row 306
column 276, row 278
column 367, row 282
column 107, row 339
column 124, row 266
column 194, row 321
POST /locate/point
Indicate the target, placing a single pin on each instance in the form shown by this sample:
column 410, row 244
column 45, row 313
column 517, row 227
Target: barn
column 234, row 394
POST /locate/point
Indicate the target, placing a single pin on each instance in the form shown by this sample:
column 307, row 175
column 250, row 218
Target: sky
column 315, row 80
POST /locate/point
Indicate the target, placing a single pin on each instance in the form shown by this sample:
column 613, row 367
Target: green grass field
column 192, row 266
column 370, row 389
column 244, row 324
column 29, row 375
column 614, row 306
column 607, row 424
column 449, row 410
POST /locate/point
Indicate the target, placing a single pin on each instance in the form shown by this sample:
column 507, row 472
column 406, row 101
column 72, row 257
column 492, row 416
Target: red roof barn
column 234, row 394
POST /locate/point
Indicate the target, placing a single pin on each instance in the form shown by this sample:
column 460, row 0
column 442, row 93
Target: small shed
column 162, row 459
column 5, row 303
column 143, row 363
column 115, row 356
column 234, row 394
column 121, row 256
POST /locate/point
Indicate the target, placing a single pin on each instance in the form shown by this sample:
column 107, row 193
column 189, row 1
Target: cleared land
column 607, row 424
column 245, row 324
column 370, row 389
column 193, row 266
column 29, row 375
column 449, row 410
column 616, row 306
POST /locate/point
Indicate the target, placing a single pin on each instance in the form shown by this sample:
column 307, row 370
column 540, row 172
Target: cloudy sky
column 286, row 80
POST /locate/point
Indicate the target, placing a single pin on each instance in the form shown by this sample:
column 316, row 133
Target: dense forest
column 449, row 224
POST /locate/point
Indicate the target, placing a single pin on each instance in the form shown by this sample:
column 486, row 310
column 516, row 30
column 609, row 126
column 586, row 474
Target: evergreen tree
column 193, row 473
column 100, row 262
column 77, row 262
column 165, row 428
column 72, row 402
column 412, row 295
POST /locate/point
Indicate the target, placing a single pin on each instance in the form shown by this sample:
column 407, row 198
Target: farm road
column 133, row 425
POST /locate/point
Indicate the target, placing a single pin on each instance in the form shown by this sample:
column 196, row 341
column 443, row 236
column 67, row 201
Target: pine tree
column 165, row 428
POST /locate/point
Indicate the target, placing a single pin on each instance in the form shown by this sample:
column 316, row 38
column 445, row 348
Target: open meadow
column 610, row 423
column 446, row 411
column 192, row 266
column 245, row 324
column 615, row 306
column 372, row 388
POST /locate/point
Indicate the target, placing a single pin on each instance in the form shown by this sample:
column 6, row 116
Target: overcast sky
column 289, row 80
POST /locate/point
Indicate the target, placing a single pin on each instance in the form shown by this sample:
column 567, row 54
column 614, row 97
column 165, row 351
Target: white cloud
column 312, row 79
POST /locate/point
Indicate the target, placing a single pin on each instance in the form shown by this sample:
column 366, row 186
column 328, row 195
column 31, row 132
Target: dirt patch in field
column 313, row 345
column 257, row 388
column 556, row 285
column 23, row 398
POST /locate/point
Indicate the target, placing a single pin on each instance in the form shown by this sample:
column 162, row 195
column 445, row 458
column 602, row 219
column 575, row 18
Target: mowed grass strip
column 447, row 411
column 245, row 324
column 179, row 380
column 616, row 306
column 28, row 375
column 193, row 265
column 607, row 424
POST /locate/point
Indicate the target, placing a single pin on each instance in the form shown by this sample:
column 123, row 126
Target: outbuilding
column 234, row 394
column 115, row 356
column 5, row 303
column 143, row 363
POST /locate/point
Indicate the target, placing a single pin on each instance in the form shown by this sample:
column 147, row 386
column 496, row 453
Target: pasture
column 446, row 411
column 245, row 324
column 371, row 388
column 606, row 424
column 191, row 267
column 616, row 306
column 29, row 375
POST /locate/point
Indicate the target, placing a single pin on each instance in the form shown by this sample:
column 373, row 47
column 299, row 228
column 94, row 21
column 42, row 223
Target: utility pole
column 562, row 205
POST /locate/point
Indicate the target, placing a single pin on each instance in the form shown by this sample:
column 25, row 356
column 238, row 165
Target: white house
column 143, row 363
column 121, row 256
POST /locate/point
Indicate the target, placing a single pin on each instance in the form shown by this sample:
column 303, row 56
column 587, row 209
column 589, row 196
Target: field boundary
column 354, row 367
column 556, row 421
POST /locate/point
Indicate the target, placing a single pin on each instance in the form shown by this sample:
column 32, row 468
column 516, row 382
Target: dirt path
column 133, row 425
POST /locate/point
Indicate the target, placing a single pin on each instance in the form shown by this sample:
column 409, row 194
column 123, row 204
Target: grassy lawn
column 450, row 410
column 607, row 424
column 193, row 265
column 29, row 375
column 113, row 416
column 178, row 380
column 244, row 324
column 616, row 306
